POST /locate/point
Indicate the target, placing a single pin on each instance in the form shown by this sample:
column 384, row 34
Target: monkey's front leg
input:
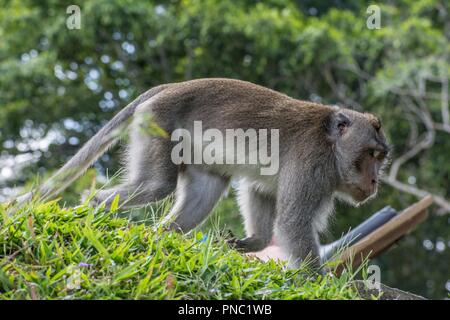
column 297, row 205
column 258, row 211
column 298, row 241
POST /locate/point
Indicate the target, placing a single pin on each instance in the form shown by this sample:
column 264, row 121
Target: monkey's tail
column 90, row 152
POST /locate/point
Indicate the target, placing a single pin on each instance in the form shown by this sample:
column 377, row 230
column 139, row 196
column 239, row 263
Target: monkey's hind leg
column 134, row 194
column 151, row 175
column 196, row 195
column 258, row 210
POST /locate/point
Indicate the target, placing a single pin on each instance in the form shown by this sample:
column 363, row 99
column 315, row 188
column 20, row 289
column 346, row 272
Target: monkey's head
column 361, row 152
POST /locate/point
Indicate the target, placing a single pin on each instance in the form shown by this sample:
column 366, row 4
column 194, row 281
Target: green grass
column 51, row 252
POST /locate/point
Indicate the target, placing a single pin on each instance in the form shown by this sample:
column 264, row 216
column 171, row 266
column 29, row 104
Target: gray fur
column 323, row 150
column 258, row 209
column 197, row 193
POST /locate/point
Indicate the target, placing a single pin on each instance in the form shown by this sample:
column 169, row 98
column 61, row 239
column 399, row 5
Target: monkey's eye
column 377, row 154
column 374, row 153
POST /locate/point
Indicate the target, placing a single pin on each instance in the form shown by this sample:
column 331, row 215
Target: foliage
column 49, row 252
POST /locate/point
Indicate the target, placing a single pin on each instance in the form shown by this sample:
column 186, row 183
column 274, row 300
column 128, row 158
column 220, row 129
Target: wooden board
column 385, row 236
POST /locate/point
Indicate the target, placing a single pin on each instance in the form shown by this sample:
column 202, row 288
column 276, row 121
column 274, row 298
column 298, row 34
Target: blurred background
column 59, row 85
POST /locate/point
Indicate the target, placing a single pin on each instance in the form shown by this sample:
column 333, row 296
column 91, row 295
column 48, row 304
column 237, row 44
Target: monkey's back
column 230, row 104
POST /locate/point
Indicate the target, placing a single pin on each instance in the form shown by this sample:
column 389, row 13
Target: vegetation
column 59, row 86
column 49, row 252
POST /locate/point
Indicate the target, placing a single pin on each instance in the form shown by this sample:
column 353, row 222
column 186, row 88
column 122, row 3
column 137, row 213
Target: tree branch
column 426, row 142
column 420, row 193
column 444, row 102
column 339, row 89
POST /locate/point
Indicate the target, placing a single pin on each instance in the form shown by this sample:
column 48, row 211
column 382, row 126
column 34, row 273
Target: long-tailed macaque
column 323, row 151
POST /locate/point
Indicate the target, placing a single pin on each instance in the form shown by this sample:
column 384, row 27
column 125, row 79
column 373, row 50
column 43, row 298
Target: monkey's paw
column 249, row 244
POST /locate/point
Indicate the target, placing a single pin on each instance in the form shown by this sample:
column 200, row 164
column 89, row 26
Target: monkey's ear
column 337, row 124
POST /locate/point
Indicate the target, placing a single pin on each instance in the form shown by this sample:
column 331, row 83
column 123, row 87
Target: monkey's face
column 361, row 181
column 362, row 153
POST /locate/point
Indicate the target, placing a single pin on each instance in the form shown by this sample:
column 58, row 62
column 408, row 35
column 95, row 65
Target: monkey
column 325, row 153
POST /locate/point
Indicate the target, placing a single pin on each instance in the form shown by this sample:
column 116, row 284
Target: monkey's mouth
column 361, row 194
